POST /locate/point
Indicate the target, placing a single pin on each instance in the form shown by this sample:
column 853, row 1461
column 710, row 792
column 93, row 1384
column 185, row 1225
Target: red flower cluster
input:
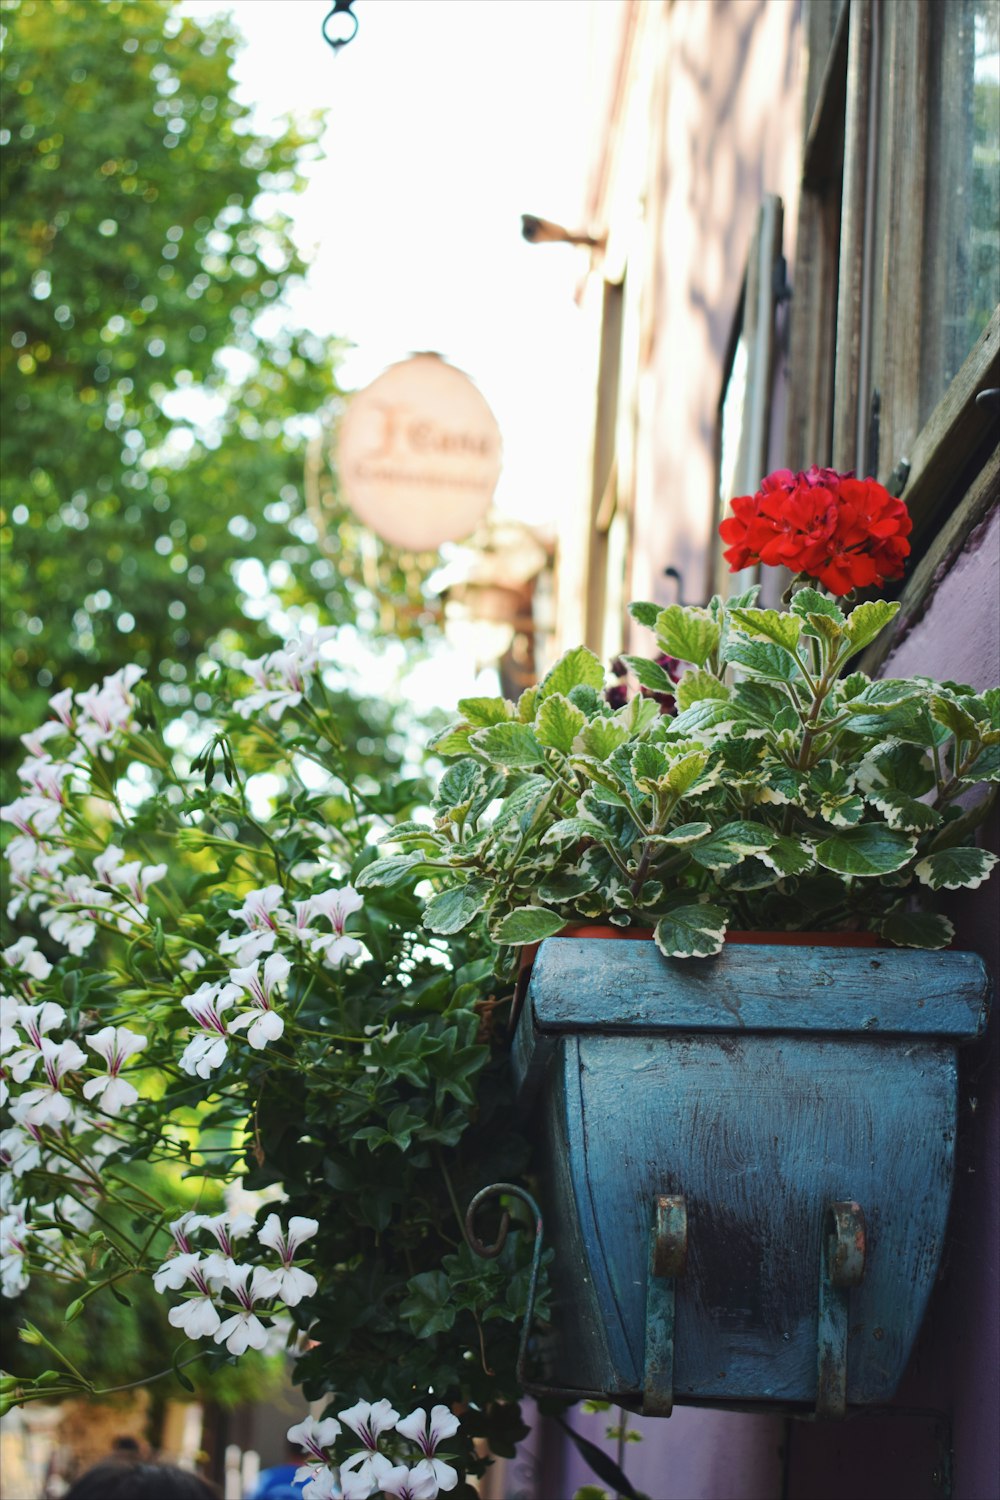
column 845, row 533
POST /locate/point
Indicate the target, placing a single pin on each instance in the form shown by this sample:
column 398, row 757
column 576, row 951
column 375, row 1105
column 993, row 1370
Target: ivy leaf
column 528, row 924
column 763, row 659
column 868, row 621
column 508, row 745
column 691, row 931
column 559, row 722
column 783, row 630
column 955, row 868
column 577, row 668
column 870, row 849
column 911, row 929
column 687, row 632
column 430, row 1306
column 650, row 674
column 449, row 911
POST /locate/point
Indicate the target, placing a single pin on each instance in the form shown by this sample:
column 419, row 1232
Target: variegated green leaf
column 577, row 668
column 508, row 745
column 730, row 844
column 558, row 723
column 763, row 659
column 769, row 625
column 868, row 621
column 396, row 869
column 645, row 613
column 912, row 929
column 650, row 674
column 528, row 924
column 450, row 911
column 953, row 869
column 695, row 931
column 697, row 686
column 452, row 741
column 687, row 632
column 870, row 849
column 788, row 856
column 806, row 602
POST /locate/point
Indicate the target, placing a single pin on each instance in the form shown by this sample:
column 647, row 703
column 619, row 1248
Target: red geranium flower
column 845, row 533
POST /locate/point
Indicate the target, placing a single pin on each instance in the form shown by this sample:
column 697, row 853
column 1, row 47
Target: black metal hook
column 340, row 8
column 490, row 1252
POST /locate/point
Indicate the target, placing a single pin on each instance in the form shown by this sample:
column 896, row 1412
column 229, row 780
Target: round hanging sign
column 418, row 454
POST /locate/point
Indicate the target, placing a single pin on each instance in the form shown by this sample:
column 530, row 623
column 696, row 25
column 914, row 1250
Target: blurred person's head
column 123, row 1479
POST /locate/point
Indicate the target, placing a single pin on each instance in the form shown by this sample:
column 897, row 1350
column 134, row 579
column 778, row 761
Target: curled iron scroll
column 340, row 8
column 490, row 1252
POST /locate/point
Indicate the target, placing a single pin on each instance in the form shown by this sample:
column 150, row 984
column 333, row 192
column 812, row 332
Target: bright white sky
column 446, row 120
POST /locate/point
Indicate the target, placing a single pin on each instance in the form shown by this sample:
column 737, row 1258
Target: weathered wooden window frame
column 943, row 469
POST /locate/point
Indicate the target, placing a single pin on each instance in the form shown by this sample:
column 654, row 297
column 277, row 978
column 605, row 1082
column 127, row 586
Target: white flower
column 24, row 957
column 180, row 1229
column 193, row 960
column 369, row 1421
column 360, row 1485
column 410, row 1484
column 322, row 1485
column 31, row 815
column 289, row 1283
column 204, row 1053
column 265, row 1027
column 46, row 776
column 428, row 1434
column 132, row 877
column 62, row 705
column 262, row 910
column 314, row 1438
column 35, row 739
column 179, row 1269
column 20, row 1149
column 116, row 1044
column 282, row 677
column 226, row 1230
column 49, row 1105
column 13, row 1249
column 74, row 929
column 198, row 1317
column 336, row 906
column 245, row 1330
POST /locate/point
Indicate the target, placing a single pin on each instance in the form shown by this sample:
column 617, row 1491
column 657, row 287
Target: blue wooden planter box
column 746, row 1166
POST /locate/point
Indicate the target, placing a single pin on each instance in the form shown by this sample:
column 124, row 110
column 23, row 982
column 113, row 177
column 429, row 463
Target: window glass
column 962, row 233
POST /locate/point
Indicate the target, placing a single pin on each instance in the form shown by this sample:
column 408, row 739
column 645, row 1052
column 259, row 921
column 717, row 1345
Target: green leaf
column 788, row 856
column 868, row 621
column 559, row 722
column 509, row 745
column 806, row 602
column 571, row 830
column 691, row 931
column 731, row 844
column 602, row 737
column 953, row 869
column 430, row 1306
column 707, row 713
column 650, row 674
column 577, row 668
column 458, row 784
column 452, row 741
column 783, row 630
column 528, row 924
column 763, row 659
column 522, row 801
column 870, row 849
column 526, row 704
column 390, row 872
column 697, row 686
column 911, row 929
column 482, row 712
column 637, row 714
column 687, row 632
column 449, row 911
column 684, row 773
column 645, row 613
column 649, row 766
column 949, row 713
column 687, row 833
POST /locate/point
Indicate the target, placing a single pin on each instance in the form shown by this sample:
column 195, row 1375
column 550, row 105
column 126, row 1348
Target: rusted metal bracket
column 490, row 1252
column 842, row 1265
column 668, row 1245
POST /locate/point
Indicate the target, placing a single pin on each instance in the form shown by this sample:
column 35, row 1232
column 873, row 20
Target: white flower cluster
column 282, row 677
column 216, row 1283
column 254, row 985
column 91, row 723
column 37, row 1069
column 369, row 1470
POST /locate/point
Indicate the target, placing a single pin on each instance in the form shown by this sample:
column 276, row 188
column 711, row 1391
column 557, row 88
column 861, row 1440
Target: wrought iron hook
column 490, row 1252
column 340, row 8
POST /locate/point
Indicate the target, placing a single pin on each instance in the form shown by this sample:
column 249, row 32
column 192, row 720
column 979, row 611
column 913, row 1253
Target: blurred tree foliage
column 152, row 402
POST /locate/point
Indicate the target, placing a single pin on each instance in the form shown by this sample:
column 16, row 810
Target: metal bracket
column 668, row 1246
column 842, row 1265
column 490, row 1252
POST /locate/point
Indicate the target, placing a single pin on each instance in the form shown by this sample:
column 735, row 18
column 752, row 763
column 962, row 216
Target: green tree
column 152, row 434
